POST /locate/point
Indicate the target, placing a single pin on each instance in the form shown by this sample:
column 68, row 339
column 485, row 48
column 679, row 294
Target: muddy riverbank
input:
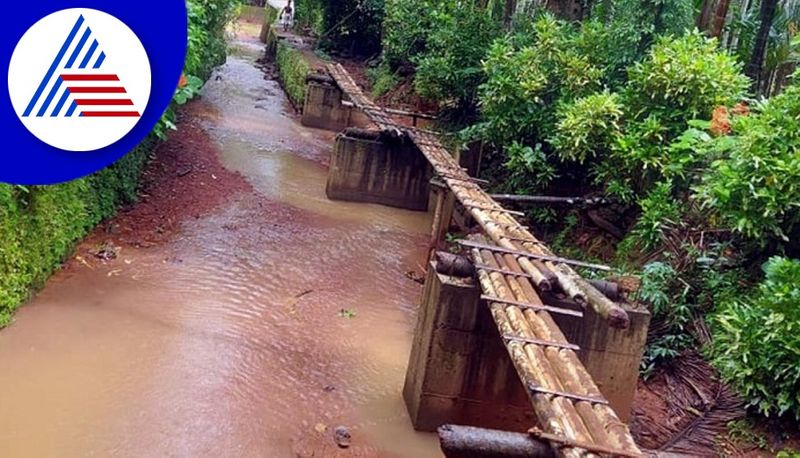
column 233, row 311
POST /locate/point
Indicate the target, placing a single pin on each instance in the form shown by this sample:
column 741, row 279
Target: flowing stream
column 254, row 331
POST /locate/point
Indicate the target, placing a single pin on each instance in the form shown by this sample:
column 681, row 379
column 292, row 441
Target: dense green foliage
column 754, row 181
column 40, row 224
column 347, row 26
column 757, row 342
column 292, row 69
column 632, row 103
column 450, row 68
column 309, row 15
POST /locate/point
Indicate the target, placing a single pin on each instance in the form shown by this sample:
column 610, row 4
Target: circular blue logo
column 87, row 81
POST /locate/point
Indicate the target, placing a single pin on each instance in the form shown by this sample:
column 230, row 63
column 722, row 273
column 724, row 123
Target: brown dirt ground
column 183, row 180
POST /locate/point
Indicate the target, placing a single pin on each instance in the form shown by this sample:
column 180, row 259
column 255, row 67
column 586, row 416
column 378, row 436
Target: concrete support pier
column 459, row 371
column 366, row 167
column 323, row 107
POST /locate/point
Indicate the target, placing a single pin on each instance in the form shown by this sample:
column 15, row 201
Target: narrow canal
column 255, row 319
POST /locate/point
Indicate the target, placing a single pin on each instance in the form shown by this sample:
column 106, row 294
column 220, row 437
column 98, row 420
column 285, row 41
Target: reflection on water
column 230, row 340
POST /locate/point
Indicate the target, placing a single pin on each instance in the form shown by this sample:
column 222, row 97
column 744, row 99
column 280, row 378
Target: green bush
column 207, row 47
column 756, row 344
column 587, row 124
column 310, row 14
column 450, row 68
column 348, row 26
column 383, row 79
column 406, row 26
column 682, row 79
column 40, row 224
column 754, row 183
column 527, row 75
column 292, row 69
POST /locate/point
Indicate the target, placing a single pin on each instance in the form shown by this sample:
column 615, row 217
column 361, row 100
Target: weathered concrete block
column 383, row 172
column 458, row 372
column 323, row 108
column 442, row 201
column 436, row 370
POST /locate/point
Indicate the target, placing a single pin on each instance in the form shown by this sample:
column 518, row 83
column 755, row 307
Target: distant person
column 287, row 17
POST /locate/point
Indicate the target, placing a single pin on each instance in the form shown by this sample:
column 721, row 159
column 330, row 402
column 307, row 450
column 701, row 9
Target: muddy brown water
column 255, row 331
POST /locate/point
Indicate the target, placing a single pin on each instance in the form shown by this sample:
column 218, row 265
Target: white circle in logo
column 79, row 79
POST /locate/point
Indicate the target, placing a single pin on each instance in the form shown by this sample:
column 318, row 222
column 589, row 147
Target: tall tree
column 754, row 67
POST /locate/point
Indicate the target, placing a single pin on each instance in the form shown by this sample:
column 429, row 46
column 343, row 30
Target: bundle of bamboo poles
column 508, row 233
column 553, row 368
column 575, row 417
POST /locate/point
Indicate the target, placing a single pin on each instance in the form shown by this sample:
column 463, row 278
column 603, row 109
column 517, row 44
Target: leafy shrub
column 667, row 297
column 659, row 210
column 586, row 124
column 352, row 26
column 527, row 74
column 754, row 183
column 293, row 70
column 383, row 79
column 406, row 26
column 310, row 14
column 756, row 344
column 682, row 79
column 207, row 47
column 450, row 67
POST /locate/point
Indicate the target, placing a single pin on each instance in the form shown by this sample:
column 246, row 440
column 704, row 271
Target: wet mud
column 234, row 311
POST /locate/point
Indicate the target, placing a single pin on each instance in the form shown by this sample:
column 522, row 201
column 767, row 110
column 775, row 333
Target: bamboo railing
column 573, row 415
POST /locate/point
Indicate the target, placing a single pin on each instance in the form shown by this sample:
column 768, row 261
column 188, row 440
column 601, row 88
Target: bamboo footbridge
column 513, row 268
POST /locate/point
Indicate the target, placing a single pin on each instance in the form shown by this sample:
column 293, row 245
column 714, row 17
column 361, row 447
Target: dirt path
column 234, row 311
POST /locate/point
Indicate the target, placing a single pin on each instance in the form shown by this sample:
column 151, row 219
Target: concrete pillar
column 459, row 371
column 612, row 356
column 323, row 107
column 442, row 201
column 376, row 170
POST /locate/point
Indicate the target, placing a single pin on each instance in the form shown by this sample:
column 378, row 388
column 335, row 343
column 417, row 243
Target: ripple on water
column 228, row 341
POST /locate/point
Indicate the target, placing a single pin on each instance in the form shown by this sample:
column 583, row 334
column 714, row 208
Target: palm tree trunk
column 754, row 67
column 720, row 14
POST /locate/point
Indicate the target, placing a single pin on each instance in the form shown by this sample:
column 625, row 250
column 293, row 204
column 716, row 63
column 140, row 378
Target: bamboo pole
column 572, row 420
column 559, row 368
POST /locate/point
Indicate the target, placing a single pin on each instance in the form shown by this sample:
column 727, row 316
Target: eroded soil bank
column 234, row 311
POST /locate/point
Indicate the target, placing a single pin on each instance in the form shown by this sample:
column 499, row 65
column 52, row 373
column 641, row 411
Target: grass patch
column 39, row 225
column 292, row 69
column 383, row 79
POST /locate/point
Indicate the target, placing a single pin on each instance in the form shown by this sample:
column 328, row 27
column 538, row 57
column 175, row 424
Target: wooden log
column 454, row 265
column 608, row 288
column 362, row 134
column 550, row 200
column 320, row 78
column 470, row 442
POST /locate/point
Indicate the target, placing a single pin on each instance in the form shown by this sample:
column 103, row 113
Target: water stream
column 254, row 331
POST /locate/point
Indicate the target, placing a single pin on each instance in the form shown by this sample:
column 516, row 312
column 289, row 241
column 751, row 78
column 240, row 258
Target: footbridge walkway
column 532, row 294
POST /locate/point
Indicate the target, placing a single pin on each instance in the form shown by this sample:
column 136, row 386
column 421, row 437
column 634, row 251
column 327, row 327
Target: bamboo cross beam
column 528, row 306
column 562, row 394
column 550, row 199
column 490, row 208
column 527, row 254
column 545, row 343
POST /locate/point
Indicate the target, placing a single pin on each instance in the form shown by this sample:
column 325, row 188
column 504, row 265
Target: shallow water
column 254, row 332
